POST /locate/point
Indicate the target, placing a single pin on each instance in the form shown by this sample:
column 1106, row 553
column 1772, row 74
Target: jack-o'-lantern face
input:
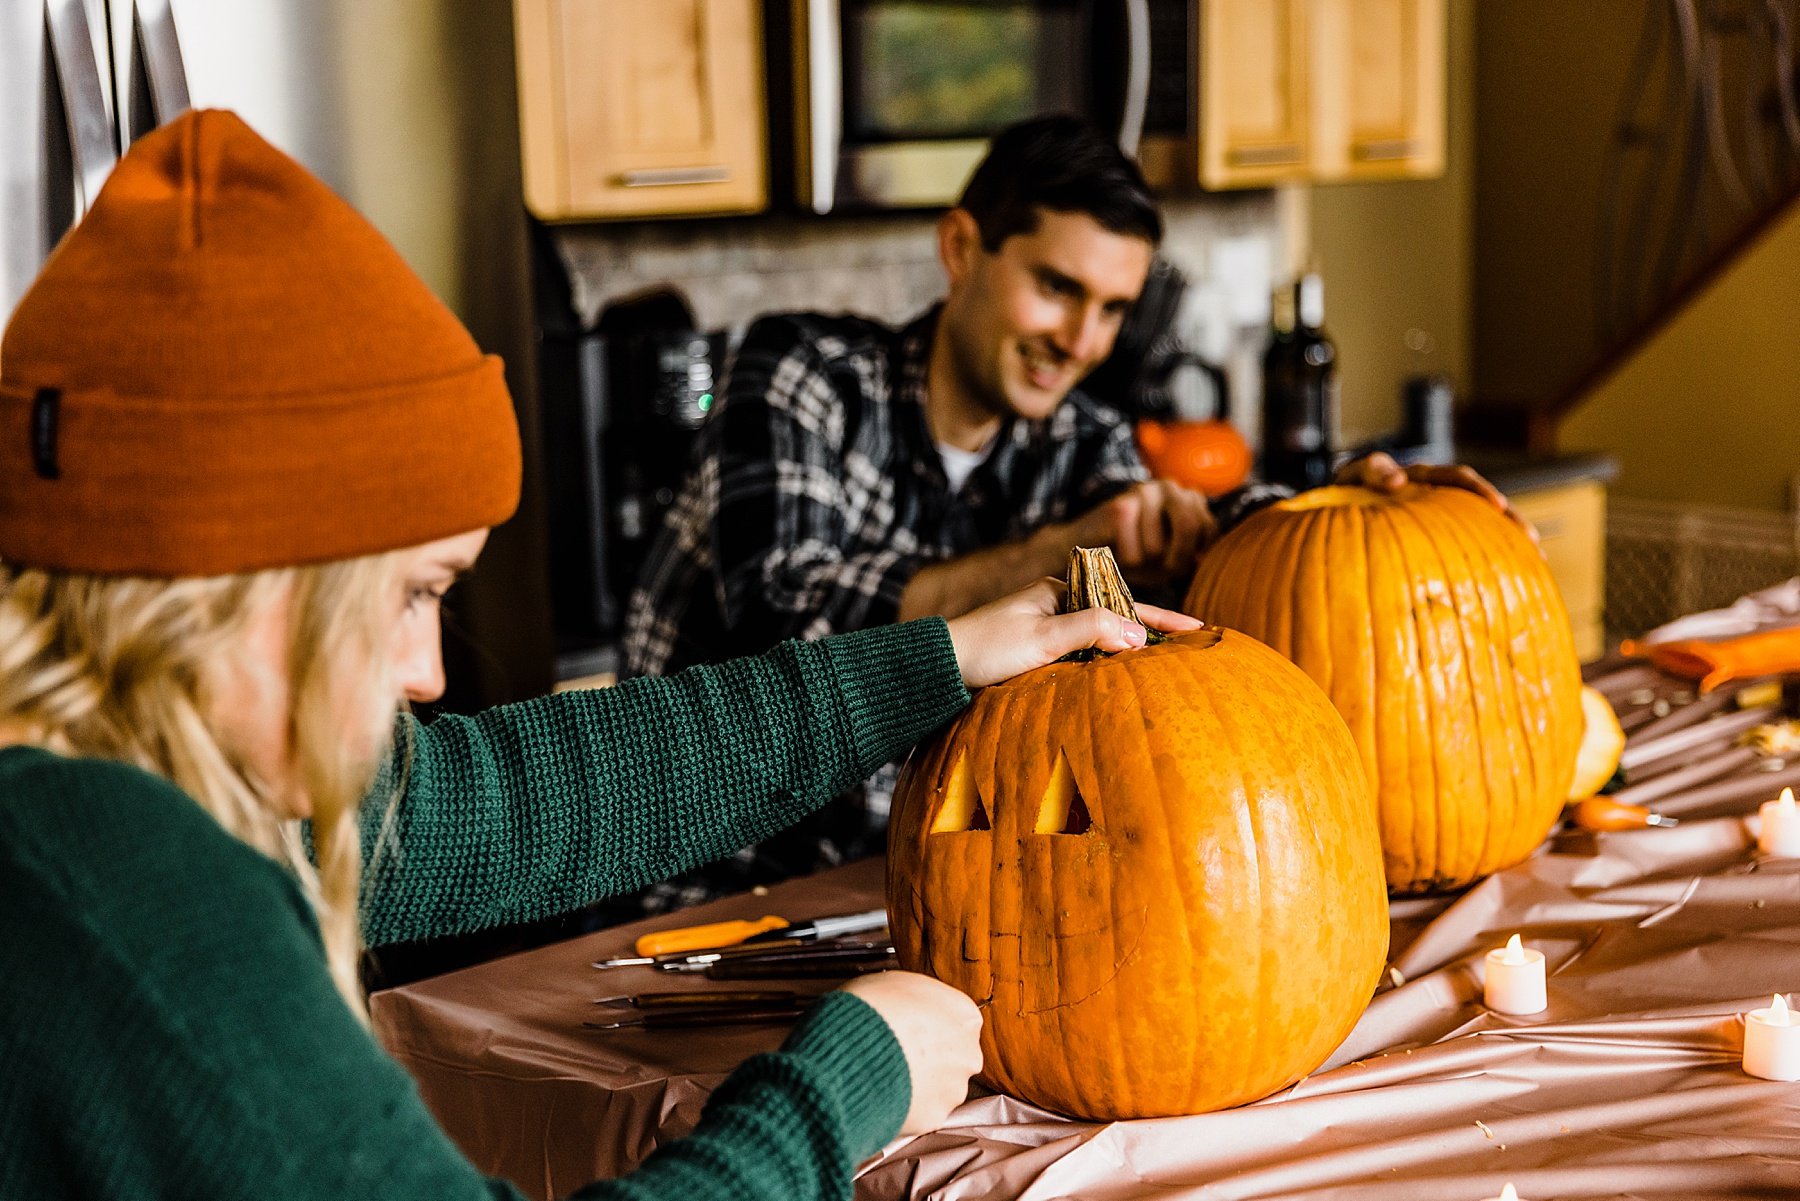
column 1158, row 874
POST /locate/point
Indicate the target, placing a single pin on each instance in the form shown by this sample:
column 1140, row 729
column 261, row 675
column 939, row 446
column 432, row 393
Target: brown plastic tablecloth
column 1628, row 1086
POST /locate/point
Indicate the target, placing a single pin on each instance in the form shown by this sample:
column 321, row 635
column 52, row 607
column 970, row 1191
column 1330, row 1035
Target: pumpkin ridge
column 1488, row 741
column 1060, row 1014
column 1183, row 910
column 1506, row 731
column 1246, row 826
column 1392, row 765
column 1004, row 955
column 1443, row 536
column 1360, row 635
column 1125, row 1072
column 1312, row 648
column 1456, row 833
column 1421, row 736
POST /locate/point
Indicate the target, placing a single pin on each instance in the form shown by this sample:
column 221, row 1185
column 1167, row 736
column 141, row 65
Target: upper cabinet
column 1255, row 80
column 1380, row 73
column 641, row 108
column 1296, row 91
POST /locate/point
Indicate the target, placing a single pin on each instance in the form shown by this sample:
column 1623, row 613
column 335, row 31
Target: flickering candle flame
column 1772, row 1042
column 1779, row 833
column 1508, row 1192
column 1515, row 979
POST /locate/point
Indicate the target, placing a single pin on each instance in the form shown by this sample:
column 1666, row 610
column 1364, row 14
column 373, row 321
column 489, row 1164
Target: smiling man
column 856, row 474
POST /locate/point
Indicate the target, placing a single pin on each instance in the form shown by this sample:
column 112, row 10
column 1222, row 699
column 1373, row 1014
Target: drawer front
column 1571, row 525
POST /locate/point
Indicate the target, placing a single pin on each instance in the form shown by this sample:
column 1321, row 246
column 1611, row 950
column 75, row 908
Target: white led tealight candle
column 1779, row 834
column 1772, row 1042
column 1515, row 979
column 1507, row 1193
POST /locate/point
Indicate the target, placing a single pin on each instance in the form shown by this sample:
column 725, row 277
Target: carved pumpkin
column 1157, row 873
column 1437, row 630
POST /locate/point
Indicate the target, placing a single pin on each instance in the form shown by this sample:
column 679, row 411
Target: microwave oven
column 894, row 101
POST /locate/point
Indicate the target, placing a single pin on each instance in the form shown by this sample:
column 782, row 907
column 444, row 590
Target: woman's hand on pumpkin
column 1380, row 472
column 939, row 1032
column 1019, row 632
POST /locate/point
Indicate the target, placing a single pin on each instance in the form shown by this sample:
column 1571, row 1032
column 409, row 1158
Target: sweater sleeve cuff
column 898, row 684
column 857, row 1053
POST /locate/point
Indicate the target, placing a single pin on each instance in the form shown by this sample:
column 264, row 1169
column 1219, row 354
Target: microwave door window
column 930, row 70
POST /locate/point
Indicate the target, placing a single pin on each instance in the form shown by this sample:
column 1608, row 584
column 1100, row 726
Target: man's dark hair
column 1060, row 163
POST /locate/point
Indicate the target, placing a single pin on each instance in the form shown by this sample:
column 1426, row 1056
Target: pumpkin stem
column 1095, row 583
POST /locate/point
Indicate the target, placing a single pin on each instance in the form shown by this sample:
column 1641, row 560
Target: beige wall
column 1397, row 257
column 429, row 151
column 1709, row 411
column 1549, row 78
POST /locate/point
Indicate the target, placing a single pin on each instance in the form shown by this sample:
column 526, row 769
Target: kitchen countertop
column 1516, row 474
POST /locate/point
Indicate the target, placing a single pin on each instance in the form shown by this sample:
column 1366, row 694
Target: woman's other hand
column 1019, row 632
column 939, row 1031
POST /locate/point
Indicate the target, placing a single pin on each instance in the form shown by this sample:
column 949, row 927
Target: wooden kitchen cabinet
column 1314, row 91
column 1571, row 525
column 1254, row 106
column 1380, row 84
column 635, row 109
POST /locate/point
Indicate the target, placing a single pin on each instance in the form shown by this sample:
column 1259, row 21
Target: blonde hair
column 129, row 669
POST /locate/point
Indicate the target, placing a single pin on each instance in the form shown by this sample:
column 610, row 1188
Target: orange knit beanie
column 224, row 368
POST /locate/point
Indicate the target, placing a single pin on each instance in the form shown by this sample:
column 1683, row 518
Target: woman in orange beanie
column 243, row 452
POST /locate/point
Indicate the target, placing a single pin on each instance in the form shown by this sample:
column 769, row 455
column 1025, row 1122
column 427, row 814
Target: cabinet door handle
column 1384, row 149
column 672, row 177
column 1285, row 155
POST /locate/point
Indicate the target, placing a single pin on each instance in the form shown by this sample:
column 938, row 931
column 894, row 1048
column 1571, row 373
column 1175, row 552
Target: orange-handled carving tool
column 1600, row 813
column 702, row 938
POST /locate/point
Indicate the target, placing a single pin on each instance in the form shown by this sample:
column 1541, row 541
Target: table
column 1628, row 1086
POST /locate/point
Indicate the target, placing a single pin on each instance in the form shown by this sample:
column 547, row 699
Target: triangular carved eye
column 1062, row 811
column 962, row 808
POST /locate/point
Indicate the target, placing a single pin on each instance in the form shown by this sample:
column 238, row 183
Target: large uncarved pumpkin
column 1436, row 628
column 1157, row 873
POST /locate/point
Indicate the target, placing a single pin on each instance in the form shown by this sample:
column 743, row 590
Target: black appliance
column 621, row 403
column 1151, row 375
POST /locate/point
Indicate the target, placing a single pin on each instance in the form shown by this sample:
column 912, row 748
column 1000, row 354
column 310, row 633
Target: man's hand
column 1156, row 529
column 1380, row 472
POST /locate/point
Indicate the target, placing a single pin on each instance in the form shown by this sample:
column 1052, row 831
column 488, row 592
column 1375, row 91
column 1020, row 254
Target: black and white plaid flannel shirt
column 816, row 493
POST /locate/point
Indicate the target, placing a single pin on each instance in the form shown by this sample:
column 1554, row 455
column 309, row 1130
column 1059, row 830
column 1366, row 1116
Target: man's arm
column 1156, row 528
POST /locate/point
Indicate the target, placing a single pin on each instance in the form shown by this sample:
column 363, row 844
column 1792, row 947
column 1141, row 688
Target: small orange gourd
column 1156, row 872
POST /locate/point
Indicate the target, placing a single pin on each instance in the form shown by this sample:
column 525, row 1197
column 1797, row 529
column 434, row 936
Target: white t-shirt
column 960, row 464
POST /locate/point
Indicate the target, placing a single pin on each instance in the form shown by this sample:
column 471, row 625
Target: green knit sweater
column 167, row 1025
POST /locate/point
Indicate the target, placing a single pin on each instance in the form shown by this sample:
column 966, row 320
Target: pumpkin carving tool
column 1603, row 813
column 701, row 938
column 805, row 954
column 719, row 999
column 824, row 927
column 681, row 1011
